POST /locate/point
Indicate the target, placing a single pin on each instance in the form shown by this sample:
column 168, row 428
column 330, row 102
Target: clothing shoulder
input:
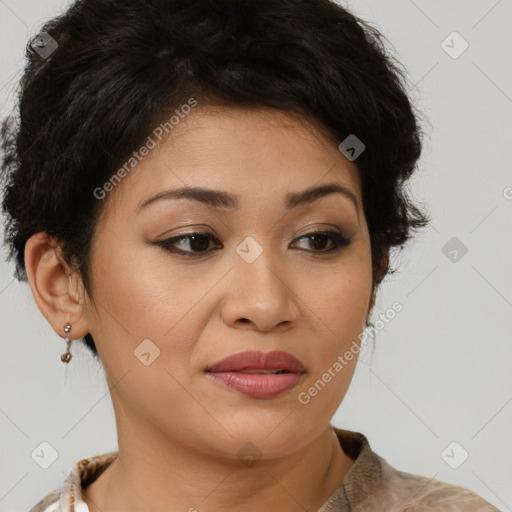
column 408, row 492
column 69, row 495
column 49, row 503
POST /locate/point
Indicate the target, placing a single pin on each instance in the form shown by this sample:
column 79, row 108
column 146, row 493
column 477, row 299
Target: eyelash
column 338, row 239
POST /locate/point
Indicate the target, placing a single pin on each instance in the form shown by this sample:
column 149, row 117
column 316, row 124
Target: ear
column 378, row 275
column 57, row 291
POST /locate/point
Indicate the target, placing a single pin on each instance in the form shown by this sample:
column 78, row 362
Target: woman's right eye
column 198, row 244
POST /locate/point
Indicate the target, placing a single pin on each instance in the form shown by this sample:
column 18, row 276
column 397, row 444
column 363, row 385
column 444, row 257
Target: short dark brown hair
column 121, row 66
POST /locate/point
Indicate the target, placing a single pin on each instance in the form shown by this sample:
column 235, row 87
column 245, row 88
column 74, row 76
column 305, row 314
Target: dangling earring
column 66, row 357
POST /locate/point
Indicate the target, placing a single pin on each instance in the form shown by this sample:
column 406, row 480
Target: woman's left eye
column 319, row 238
column 199, row 243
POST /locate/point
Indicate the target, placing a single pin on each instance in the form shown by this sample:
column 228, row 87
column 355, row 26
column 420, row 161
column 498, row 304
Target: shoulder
column 69, row 495
column 408, row 492
column 373, row 484
column 49, row 503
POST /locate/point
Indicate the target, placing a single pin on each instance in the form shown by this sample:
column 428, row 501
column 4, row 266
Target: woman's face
column 166, row 311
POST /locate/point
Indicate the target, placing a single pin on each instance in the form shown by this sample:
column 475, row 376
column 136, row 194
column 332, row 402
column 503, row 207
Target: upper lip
column 254, row 360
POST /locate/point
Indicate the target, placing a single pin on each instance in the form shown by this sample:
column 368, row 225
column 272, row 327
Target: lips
column 258, row 375
column 259, row 362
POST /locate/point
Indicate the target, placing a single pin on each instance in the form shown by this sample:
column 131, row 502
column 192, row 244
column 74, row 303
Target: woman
column 206, row 194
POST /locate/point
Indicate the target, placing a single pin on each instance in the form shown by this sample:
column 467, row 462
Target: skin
column 179, row 432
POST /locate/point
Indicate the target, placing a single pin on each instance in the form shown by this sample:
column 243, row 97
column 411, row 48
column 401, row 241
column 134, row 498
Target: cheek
column 340, row 306
column 143, row 306
column 341, row 302
column 336, row 358
column 138, row 292
column 323, row 392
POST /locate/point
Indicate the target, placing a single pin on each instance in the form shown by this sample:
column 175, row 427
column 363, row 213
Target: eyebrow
column 222, row 199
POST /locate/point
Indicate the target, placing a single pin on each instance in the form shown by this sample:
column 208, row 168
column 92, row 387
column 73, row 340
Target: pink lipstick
column 258, row 374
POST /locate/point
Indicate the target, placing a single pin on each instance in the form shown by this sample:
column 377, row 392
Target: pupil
column 317, row 240
column 196, row 246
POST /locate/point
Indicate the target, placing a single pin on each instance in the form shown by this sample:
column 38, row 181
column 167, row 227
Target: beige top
column 371, row 485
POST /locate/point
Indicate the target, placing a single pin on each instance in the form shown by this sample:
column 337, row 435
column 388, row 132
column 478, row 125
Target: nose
column 260, row 296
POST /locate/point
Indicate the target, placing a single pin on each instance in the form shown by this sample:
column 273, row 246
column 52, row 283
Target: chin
column 264, row 438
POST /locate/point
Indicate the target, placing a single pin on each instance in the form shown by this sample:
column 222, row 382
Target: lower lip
column 257, row 385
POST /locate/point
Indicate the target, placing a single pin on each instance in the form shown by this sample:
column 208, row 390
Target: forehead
column 250, row 128
column 252, row 152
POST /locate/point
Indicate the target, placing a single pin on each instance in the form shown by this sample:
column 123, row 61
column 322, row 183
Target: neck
column 152, row 472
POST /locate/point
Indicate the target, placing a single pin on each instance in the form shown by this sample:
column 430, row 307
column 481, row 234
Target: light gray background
column 441, row 370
